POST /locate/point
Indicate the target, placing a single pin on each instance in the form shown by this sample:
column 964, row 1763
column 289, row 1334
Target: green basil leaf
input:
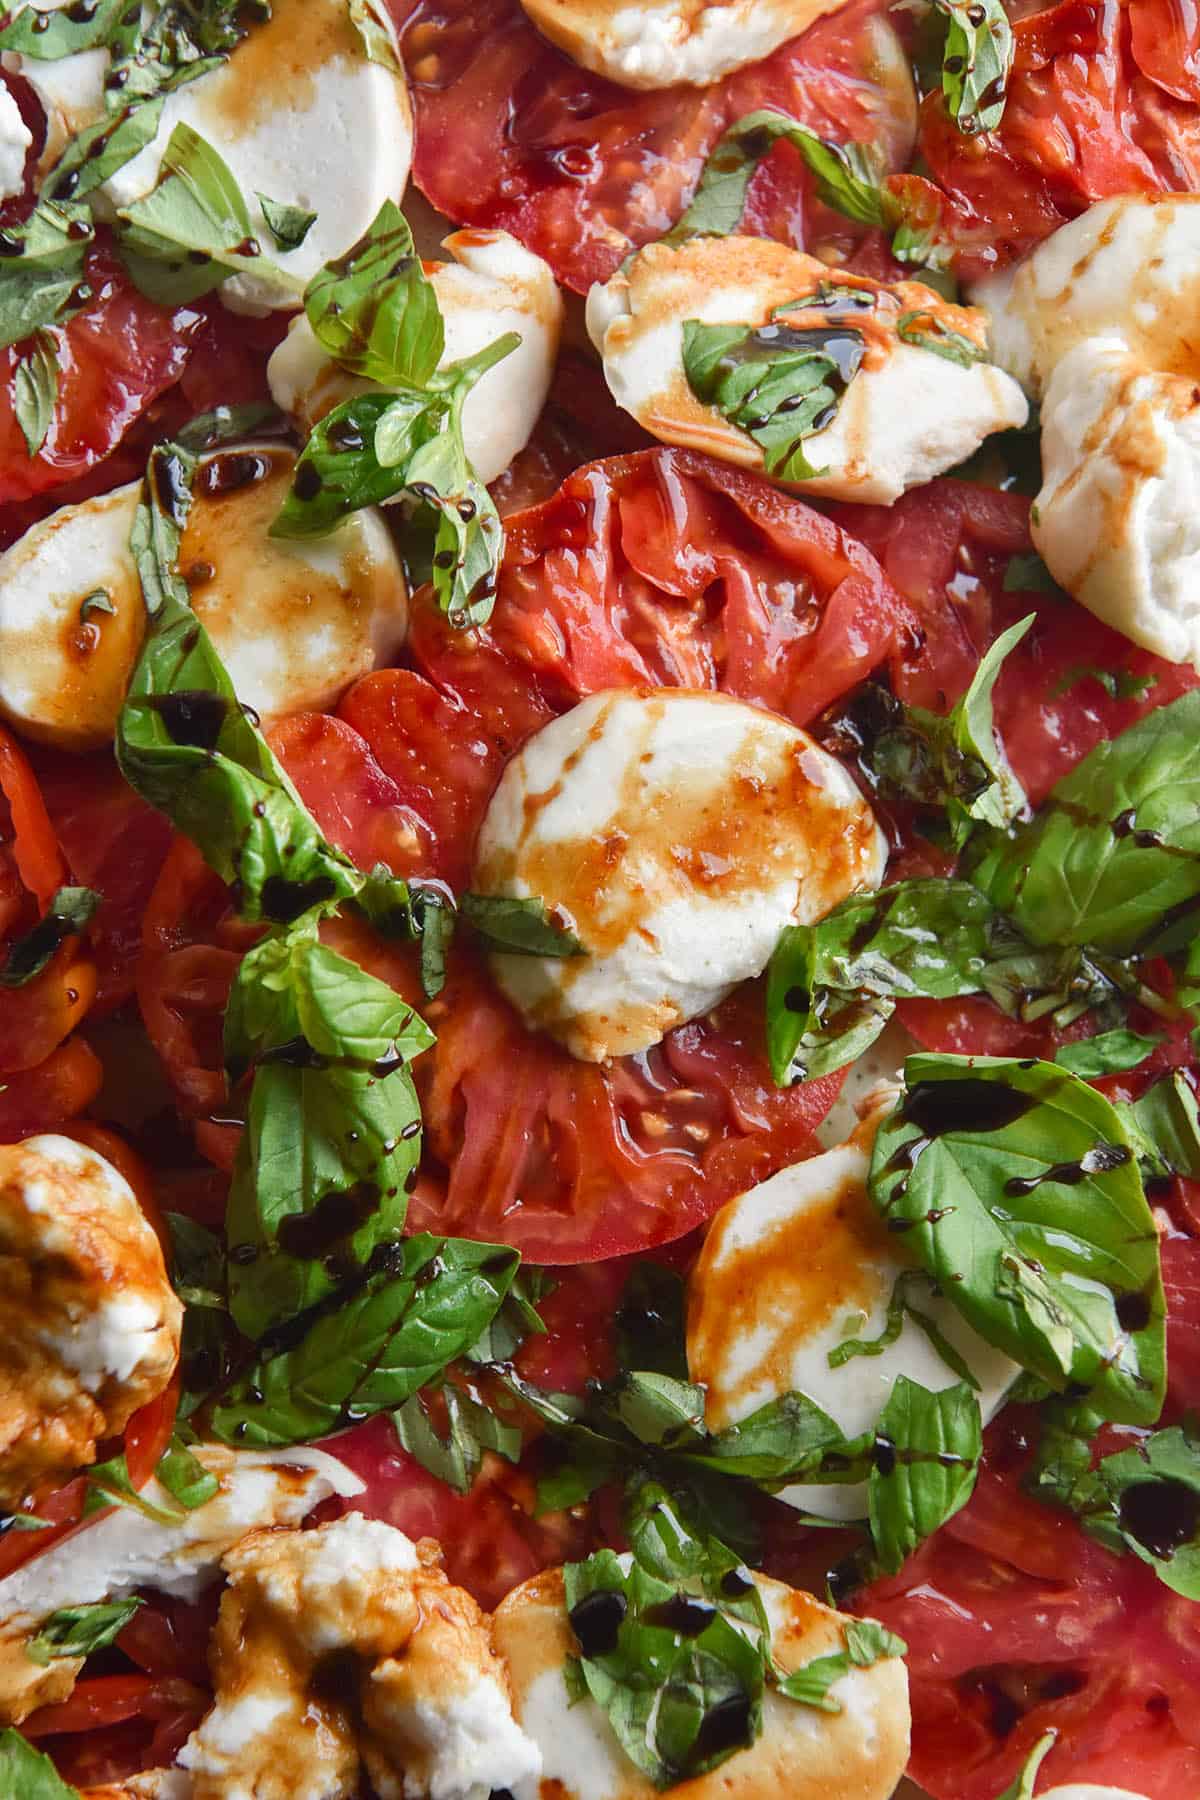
column 1113, row 857
column 973, row 730
column 49, row 36
column 198, row 1274
column 657, row 1410
column 1109, row 1053
column 102, row 148
column 109, row 1484
column 785, row 1440
column 927, row 331
column 288, row 225
column 927, row 1451
column 374, row 28
column 29, row 1773
column 192, row 230
column 899, row 1308
column 976, row 63
column 229, row 424
column 79, row 1630
column 1022, row 1787
column 1017, row 1190
column 35, row 391
column 778, row 383
column 375, row 310
column 339, row 472
column 517, row 1319
column 1026, row 573
column 1118, row 684
column 1164, row 1128
column 867, row 1643
column 472, row 1428
column 649, row 1322
column 43, row 281
column 1063, row 1457
column 1147, row 1499
column 69, row 913
column 518, row 927
column 424, row 1306
column 185, row 1478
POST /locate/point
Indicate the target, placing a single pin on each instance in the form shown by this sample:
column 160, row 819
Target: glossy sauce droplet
column 192, row 716
column 1162, row 1516
column 596, row 1621
column 685, row 1615
column 725, row 1726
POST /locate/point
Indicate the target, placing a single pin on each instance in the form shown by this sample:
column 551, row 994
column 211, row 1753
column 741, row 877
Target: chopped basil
column 1109, row 1053
column 1022, row 1787
column 371, row 22
column 109, row 1484
column 1015, row 1186
column 184, row 1477
column 80, row 1630
column 69, row 913
column 35, row 391
column 98, row 601
column 29, row 1773
column 899, row 1308
column 778, row 383
column 976, row 62
column 472, row 1428
column 1026, row 573
column 49, row 36
column 424, row 1302
column 517, row 1319
column 926, row 1458
column 867, row 1643
column 1147, row 1499
column 374, row 310
column 288, row 225
column 101, row 149
column 1164, row 1128
column 1118, row 684
column 518, row 927
column 198, row 1274
column 44, row 268
column 927, row 331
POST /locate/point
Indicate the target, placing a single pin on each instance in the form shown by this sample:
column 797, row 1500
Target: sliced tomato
column 512, row 133
column 114, row 1726
column 115, row 357
column 1101, row 101
column 42, row 1099
column 35, row 847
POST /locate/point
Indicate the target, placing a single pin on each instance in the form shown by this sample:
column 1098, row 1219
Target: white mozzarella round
column 1118, row 519
column 665, row 42
column 15, row 140
column 297, row 112
column 1126, row 267
column 1089, row 1790
column 907, row 415
column 877, row 1073
column 493, row 286
column 792, row 1269
column 858, row 1753
column 294, row 621
column 677, row 834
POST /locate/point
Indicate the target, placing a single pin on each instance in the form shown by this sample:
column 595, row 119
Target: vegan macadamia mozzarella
column 15, row 140
column 794, row 1268
column 668, row 41
column 677, row 834
column 297, row 112
column 858, row 1753
column 907, row 413
column 492, row 286
column 294, row 622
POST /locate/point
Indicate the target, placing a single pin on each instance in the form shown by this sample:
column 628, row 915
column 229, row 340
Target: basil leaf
column 1147, row 1499
column 1113, row 857
column 518, row 927
column 192, row 230
column 1022, row 1787
column 927, row 1451
column 1017, row 1190
column 785, row 1440
column 1164, row 1128
column 109, row 1484
column 372, row 25
column 229, row 424
column 778, row 383
column 1109, row 1053
column 925, row 330
column 649, row 1321
column 517, row 1319
column 472, row 1428
column 49, row 36
column 469, row 538
column 424, row 1306
column 1063, row 1457
column 1118, row 684
column 198, row 1276
column 184, row 1477
column 899, row 1308
column 35, row 391
column 288, row 225
column 374, row 310
column 43, row 280
column 867, row 1643
column 69, row 913
column 79, row 1630
column 100, row 149
column 30, row 1773
column 973, row 730
column 976, row 62
column 339, row 472
column 186, row 746
column 1026, row 573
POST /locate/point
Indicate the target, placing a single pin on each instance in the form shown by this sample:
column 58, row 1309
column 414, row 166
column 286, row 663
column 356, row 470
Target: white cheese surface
column 669, row 41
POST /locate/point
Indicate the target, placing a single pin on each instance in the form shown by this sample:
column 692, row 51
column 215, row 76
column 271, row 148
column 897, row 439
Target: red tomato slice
column 1092, row 111
column 42, row 1099
column 35, row 847
column 114, row 358
column 511, row 133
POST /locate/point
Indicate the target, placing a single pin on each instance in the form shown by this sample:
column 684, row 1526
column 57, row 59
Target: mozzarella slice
column 1123, row 268
column 294, row 622
column 1088, row 1790
column 677, row 833
column 858, row 1753
column 1118, row 519
column 868, row 1083
column 493, row 285
column 792, row 1269
column 669, row 41
column 15, row 140
column 907, row 415
column 297, row 112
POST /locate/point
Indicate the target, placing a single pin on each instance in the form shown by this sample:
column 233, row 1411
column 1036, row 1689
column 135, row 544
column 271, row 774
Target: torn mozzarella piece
column 493, row 286
column 666, row 42
column 15, row 140
column 869, row 1082
column 152, row 1784
column 858, row 1753
column 677, row 834
column 298, row 113
column 295, row 622
column 906, row 415
column 125, row 1551
column 1088, row 1790
column 1126, row 267
column 794, row 1268
column 91, row 1322
column 1118, row 519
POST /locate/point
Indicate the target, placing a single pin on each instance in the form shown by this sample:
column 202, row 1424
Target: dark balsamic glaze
column 307, row 482
column 683, row 1614
column 724, row 1726
column 1100, row 1160
column 284, row 900
column 193, row 716
column 735, row 1583
column 232, row 471
column 1162, row 1516
column 336, row 1215
column 596, row 1621
column 1134, row 1311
